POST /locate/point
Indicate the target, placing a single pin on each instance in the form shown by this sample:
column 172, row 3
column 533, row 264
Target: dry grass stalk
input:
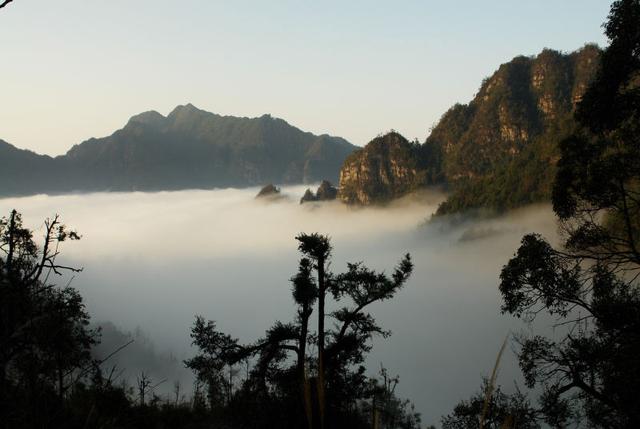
column 492, row 383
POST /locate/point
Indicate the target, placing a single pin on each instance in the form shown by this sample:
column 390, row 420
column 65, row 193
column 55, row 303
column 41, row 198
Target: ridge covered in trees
column 496, row 153
column 187, row 149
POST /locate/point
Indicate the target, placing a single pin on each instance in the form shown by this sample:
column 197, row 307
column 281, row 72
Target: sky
column 75, row 69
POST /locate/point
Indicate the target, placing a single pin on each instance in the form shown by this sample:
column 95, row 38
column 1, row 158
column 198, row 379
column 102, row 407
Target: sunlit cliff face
column 154, row 260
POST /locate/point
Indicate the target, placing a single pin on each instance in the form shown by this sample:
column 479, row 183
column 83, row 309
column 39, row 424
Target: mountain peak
column 391, row 137
column 148, row 118
column 185, row 109
column 387, row 167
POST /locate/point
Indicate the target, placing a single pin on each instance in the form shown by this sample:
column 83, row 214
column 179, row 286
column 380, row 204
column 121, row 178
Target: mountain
column 23, row 171
column 495, row 153
column 325, row 192
column 386, row 168
column 189, row 148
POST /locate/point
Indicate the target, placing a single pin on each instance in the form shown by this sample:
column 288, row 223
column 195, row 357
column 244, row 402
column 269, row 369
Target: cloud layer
column 154, row 260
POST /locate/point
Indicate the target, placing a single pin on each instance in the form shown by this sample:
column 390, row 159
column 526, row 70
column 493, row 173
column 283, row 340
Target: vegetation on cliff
column 500, row 151
column 495, row 153
column 387, row 167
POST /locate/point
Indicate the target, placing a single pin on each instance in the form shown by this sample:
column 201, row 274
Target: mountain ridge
column 188, row 148
column 494, row 153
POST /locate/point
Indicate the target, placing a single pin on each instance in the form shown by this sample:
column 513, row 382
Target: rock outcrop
column 308, row 197
column 386, row 168
column 269, row 191
column 325, row 192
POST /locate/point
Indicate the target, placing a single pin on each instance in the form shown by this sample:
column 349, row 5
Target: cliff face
column 386, row 168
column 524, row 99
column 497, row 152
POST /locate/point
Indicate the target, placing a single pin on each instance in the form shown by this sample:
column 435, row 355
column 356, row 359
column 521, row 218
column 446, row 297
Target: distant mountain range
column 189, row 148
column 496, row 153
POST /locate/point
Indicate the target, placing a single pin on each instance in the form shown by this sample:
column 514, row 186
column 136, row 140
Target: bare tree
column 144, row 383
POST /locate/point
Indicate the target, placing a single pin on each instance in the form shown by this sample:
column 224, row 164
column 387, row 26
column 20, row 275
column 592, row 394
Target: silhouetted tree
column 591, row 284
column 318, row 249
column 387, row 410
column 503, row 411
column 44, row 334
column 144, row 384
column 283, row 387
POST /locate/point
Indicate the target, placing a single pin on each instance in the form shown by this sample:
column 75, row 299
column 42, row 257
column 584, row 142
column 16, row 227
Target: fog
column 154, row 260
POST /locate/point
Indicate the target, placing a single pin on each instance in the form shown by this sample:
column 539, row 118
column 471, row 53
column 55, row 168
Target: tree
column 503, row 411
column 591, row 283
column 387, row 410
column 44, row 334
column 318, row 249
column 336, row 368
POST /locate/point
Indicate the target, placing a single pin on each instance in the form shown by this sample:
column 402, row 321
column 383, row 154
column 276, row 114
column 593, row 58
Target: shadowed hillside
column 189, row 148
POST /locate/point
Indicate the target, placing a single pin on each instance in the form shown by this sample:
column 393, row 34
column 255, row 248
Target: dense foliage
column 288, row 385
column 294, row 376
column 495, row 409
column 589, row 373
column 45, row 341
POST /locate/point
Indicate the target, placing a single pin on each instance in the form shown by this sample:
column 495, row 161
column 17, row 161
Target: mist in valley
column 152, row 261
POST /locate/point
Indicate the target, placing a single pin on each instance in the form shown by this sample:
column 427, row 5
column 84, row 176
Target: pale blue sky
column 74, row 69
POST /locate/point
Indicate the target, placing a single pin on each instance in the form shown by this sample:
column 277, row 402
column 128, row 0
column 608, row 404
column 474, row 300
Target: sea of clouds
column 154, row 260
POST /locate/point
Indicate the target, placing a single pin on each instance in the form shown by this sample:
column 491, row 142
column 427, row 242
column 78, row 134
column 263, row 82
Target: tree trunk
column 302, row 373
column 321, row 294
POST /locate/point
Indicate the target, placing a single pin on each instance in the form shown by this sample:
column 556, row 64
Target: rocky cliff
column 497, row 152
column 387, row 167
column 325, row 192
